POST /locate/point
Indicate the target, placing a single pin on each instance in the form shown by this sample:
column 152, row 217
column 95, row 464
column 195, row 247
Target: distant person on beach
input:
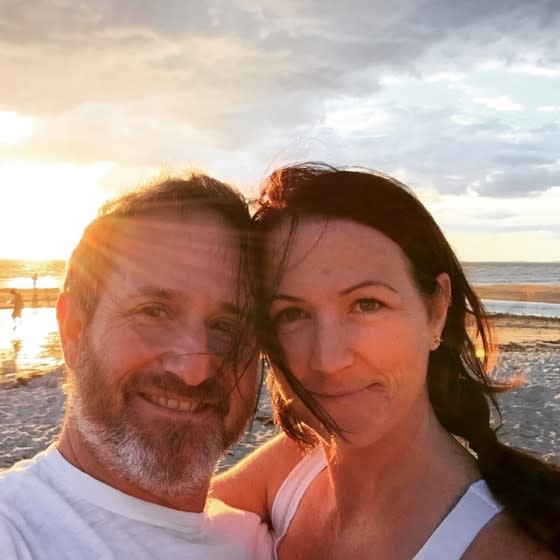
column 35, row 299
column 370, row 327
column 17, row 304
column 155, row 326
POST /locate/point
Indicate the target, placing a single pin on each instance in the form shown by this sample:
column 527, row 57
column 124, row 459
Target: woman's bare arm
column 252, row 484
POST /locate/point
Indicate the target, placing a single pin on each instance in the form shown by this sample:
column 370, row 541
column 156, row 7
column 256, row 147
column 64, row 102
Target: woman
column 365, row 323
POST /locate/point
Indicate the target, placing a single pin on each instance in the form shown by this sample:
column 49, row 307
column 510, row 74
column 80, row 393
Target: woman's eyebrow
column 345, row 292
column 366, row 283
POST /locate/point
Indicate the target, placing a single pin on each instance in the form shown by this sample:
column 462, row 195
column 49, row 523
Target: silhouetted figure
column 17, row 303
column 35, row 300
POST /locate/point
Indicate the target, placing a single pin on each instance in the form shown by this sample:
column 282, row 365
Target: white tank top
column 448, row 542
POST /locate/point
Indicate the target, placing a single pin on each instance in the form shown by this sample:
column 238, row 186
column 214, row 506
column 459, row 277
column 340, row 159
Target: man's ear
column 70, row 326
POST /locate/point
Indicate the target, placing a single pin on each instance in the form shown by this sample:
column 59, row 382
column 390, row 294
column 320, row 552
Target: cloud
column 244, row 85
column 501, row 103
column 519, row 182
column 115, row 51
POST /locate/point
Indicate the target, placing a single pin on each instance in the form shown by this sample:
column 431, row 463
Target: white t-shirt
column 51, row 510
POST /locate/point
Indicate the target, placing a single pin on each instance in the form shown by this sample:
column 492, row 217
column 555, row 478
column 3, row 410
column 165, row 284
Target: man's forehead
column 200, row 249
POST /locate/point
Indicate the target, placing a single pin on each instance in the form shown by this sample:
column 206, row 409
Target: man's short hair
column 93, row 258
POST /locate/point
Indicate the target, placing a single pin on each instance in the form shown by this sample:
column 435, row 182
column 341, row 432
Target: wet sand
column 41, row 297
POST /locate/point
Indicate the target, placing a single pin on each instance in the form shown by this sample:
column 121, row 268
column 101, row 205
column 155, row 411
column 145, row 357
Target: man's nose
column 331, row 351
column 189, row 356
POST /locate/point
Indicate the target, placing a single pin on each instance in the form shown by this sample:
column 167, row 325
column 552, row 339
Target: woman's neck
column 406, row 466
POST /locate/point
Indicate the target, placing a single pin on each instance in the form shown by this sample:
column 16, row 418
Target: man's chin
column 161, row 458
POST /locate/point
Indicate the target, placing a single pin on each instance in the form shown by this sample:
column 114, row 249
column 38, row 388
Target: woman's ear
column 440, row 303
column 70, row 326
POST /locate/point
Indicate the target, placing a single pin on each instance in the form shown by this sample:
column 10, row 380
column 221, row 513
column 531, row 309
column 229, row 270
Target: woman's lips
column 341, row 395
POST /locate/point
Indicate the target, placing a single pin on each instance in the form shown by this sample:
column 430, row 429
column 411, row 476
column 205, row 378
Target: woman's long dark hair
column 460, row 388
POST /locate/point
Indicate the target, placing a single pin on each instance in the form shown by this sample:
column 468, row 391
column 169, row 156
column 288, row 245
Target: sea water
column 33, row 346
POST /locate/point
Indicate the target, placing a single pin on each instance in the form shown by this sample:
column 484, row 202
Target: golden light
column 33, row 346
column 45, row 206
column 14, row 128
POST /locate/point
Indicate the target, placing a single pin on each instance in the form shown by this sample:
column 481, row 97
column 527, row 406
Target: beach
column 31, row 408
column 40, row 297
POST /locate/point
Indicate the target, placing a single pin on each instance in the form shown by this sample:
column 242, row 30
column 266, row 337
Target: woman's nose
column 331, row 352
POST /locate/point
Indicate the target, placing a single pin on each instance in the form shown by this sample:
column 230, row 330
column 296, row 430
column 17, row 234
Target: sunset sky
column 460, row 100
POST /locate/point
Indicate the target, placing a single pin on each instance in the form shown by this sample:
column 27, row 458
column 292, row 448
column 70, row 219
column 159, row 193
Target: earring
column 436, row 342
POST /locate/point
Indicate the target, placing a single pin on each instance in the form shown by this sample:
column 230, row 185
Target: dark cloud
column 519, row 182
column 96, row 51
column 143, row 83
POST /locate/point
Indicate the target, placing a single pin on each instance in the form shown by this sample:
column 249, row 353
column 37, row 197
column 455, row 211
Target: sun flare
column 50, row 205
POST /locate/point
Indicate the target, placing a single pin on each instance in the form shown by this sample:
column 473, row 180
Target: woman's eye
column 288, row 315
column 366, row 305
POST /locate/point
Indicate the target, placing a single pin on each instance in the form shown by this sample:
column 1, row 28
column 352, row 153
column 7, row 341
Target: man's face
column 156, row 394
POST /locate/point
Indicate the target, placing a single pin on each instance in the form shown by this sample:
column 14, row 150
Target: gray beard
column 174, row 460
column 175, row 464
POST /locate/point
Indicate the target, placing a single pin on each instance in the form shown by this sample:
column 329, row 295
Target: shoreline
column 538, row 293
column 31, row 408
column 532, row 292
column 39, row 297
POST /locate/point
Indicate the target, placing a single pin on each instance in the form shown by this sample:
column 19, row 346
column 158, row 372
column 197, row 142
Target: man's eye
column 154, row 311
column 229, row 327
column 366, row 305
column 288, row 315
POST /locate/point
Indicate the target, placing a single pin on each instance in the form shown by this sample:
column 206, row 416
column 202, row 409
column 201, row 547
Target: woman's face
column 354, row 327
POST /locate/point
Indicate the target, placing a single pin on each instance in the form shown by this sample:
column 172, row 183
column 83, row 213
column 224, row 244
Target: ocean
column 18, row 274
column 33, row 348
column 512, row 272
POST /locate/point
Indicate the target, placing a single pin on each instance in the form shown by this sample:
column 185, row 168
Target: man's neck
column 73, row 448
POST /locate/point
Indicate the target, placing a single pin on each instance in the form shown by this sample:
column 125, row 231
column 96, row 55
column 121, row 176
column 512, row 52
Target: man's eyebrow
column 169, row 295
column 285, row 297
column 160, row 293
column 365, row 284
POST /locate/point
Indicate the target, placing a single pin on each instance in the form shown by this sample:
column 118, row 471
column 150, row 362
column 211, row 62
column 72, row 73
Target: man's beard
column 164, row 458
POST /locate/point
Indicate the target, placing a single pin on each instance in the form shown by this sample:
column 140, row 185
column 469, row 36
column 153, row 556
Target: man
column 161, row 362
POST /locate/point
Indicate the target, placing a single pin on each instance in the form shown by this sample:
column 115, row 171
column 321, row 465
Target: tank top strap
column 291, row 491
column 460, row 527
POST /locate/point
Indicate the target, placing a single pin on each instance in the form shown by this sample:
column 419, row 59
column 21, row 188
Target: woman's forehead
column 332, row 244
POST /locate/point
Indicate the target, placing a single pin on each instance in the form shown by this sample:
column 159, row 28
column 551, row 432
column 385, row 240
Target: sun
column 45, row 207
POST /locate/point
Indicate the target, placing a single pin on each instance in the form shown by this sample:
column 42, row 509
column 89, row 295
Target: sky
column 459, row 100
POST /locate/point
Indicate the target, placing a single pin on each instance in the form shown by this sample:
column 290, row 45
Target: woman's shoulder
column 279, row 454
column 503, row 538
column 253, row 482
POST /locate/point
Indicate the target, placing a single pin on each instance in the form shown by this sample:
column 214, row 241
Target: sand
column 30, row 414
